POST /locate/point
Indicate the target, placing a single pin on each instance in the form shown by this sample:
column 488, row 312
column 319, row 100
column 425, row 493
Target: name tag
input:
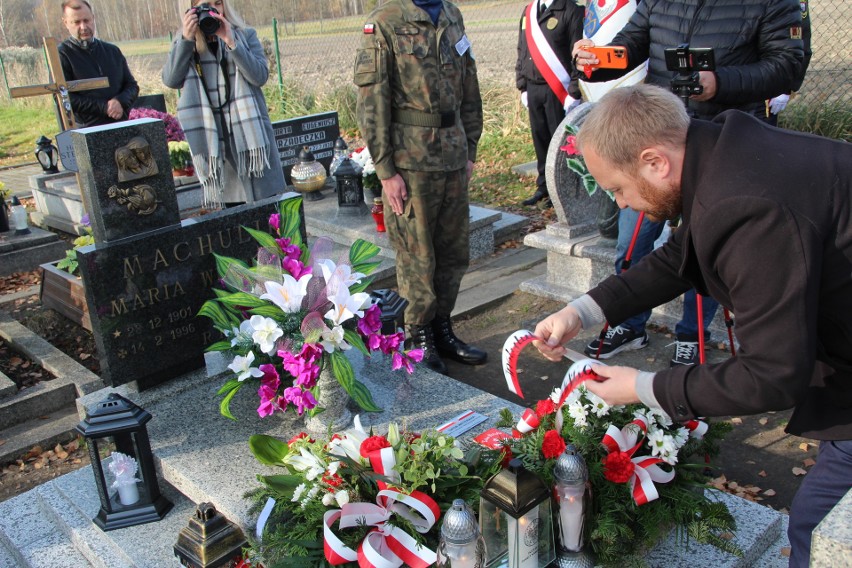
column 463, row 45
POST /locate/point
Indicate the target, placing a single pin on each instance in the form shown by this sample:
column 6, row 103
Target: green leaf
column 362, row 251
column 346, row 377
column 269, row 311
column 213, row 310
column 268, row 450
column 291, row 219
column 283, row 485
column 223, row 262
column 265, row 240
column 243, row 299
column 577, row 166
column 366, row 267
column 225, row 405
column 353, row 338
column 590, row 184
column 232, row 384
column 219, row 346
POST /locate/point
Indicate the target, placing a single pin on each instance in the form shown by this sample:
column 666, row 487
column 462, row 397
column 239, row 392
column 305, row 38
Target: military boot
column 421, row 337
column 453, row 347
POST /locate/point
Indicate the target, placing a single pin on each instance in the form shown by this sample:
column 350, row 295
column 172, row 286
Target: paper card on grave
column 492, row 438
column 462, row 423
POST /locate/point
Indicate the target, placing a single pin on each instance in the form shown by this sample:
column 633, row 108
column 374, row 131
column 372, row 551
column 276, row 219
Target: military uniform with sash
column 420, row 112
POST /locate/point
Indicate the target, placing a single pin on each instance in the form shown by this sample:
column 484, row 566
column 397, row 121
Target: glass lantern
column 570, row 489
column 515, row 519
column 461, row 544
column 350, row 189
column 19, row 216
column 47, row 155
column 308, row 175
column 123, row 464
column 341, row 151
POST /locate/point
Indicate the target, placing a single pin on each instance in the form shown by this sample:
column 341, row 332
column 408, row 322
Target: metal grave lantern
column 515, row 519
column 461, row 544
column 571, row 492
column 123, row 464
column 20, row 219
column 341, row 151
column 308, row 175
column 47, row 155
column 350, row 189
column 392, row 306
column 209, row 540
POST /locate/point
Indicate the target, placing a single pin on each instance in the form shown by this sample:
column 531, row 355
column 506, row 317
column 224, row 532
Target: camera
column 687, row 62
column 207, row 23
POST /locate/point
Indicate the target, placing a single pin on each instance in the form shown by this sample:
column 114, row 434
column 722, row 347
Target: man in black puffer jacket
column 759, row 54
column 84, row 57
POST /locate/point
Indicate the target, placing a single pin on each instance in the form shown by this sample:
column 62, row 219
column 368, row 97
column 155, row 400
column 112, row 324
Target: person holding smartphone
column 220, row 67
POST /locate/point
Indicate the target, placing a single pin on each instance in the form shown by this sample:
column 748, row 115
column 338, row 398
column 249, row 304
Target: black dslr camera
column 207, row 23
column 686, row 62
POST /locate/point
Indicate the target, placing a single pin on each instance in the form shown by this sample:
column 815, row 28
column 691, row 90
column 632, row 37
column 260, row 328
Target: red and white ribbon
column 384, row 463
column 385, row 546
column 645, row 471
column 545, row 59
column 697, row 428
column 529, row 421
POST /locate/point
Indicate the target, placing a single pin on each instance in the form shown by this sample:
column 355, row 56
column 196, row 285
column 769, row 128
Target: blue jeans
column 648, row 233
column 687, row 328
column 826, row 484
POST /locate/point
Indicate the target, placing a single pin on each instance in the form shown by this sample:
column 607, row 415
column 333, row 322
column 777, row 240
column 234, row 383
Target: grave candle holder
column 47, row 155
column 118, row 444
column 515, row 519
column 19, row 216
column 572, row 498
column 350, row 189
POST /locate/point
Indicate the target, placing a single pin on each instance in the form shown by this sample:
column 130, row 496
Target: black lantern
column 515, row 519
column 341, row 151
column 119, row 446
column 393, row 308
column 47, row 155
column 209, row 540
column 350, row 189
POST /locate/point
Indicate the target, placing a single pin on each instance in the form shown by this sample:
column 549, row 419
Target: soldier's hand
column 555, row 330
column 469, row 169
column 114, row 109
column 396, row 193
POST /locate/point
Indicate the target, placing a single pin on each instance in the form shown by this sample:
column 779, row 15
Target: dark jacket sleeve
column 806, row 44
column 520, row 79
column 129, row 87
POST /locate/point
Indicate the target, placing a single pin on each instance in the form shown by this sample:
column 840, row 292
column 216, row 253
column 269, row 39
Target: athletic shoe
column 686, row 353
column 617, row 339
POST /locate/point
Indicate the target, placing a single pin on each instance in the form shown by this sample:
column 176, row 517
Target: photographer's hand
column 225, row 31
column 189, row 24
column 706, row 79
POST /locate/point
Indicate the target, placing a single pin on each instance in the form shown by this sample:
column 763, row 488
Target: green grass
column 829, row 119
column 19, row 129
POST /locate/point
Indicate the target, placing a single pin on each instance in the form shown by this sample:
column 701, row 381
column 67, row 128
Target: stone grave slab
column 144, row 291
column 317, row 131
column 21, row 253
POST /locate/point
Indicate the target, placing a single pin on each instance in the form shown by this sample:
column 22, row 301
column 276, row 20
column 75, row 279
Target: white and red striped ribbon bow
column 385, row 546
column 697, row 428
column 645, row 471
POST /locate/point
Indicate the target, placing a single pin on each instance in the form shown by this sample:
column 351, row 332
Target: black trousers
column 546, row 114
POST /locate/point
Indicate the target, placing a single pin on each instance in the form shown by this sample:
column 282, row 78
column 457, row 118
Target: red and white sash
column 544, row 57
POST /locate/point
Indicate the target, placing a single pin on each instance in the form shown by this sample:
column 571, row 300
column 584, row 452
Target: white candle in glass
column 571, row 516
column 128, row 494
column 523, row 540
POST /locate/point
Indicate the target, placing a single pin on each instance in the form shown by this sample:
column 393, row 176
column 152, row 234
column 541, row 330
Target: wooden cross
column 59, row 88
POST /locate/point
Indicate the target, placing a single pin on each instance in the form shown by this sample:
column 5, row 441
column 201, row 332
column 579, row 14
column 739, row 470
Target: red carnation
column 553, row 444
column 298, row 436
column 570, row 146
column 618, row 467
column 372, row 444
column 505, row 456
column 545, row 407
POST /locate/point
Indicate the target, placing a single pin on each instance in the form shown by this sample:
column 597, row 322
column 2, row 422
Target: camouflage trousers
column 430, row 239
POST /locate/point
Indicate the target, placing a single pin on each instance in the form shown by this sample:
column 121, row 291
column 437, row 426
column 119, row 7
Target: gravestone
column 156, row 101
column 317, row 131
column 149, row 273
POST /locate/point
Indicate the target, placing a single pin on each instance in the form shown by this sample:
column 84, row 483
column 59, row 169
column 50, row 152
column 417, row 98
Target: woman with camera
column 220, row 67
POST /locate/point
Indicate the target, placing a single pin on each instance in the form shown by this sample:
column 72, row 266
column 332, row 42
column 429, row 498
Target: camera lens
column 207, row 23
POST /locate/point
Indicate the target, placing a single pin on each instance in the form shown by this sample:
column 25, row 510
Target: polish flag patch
column 369, row 28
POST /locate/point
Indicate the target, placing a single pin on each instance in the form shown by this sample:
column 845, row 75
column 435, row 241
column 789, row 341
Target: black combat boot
column 453, row 347
column 421, row 337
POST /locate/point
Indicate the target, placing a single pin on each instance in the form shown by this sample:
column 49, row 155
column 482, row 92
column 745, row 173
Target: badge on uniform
column 803, row 5
column 795, row 32
column 369, row 28
column 463, row 45
column 552, row 23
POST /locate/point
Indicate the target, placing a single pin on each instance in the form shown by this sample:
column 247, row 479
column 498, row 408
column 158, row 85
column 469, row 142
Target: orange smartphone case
column 610, row 57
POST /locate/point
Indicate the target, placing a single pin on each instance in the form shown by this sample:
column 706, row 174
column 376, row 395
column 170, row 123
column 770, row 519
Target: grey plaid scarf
column 242, row 114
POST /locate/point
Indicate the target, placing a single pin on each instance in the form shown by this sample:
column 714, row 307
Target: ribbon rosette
column 645, row 469
column 386, row 546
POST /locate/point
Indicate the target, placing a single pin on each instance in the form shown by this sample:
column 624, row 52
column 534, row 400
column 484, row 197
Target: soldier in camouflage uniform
column 420, row 112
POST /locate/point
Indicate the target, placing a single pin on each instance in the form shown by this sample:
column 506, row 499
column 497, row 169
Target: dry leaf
column 72, row 446
column 763, row 421
column 38, row 465
column 78, row 460
column 736, row 420
column 809, row 462
column 2, row 442
column 726, row 535
column 84, row 356
column 797, row 471
column 733, row 485
column 785, row 551
column 761, row 473
column 62, row 454
column 769, row 493
column 15, row 361
column 803, row 446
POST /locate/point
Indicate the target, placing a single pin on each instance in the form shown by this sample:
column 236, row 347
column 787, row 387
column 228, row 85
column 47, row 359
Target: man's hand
column 395, row 190
column 469, row 169
column 618, row 384
column 555, row 330
column 706, row 79
column 114, row 109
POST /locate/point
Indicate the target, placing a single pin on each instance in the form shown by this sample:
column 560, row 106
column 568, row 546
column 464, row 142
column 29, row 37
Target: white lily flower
column 346, row 305
column 333, row 339
column 333, row 467
column 242, row 367
column 338, row 276
column 288, row 295
column 245, row 330
column 306, row 462
column 349, row 443
column 266, row 333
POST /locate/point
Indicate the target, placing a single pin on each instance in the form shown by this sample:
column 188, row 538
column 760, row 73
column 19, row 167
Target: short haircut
column 629, row 119
column 75, row 5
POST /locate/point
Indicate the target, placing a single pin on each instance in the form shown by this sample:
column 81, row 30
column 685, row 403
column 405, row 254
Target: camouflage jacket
column 419, row 106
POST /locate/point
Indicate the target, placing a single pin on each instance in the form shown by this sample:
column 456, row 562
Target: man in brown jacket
column 767, row 230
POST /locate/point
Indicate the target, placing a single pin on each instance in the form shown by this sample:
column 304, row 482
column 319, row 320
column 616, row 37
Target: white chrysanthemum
column 578, row 414
column 556, row 395
column 598, row 405
column 266, row 333
column 681, row 435
column 341, row 497
column 243, row 369
column 297, row 493
column 660, row 417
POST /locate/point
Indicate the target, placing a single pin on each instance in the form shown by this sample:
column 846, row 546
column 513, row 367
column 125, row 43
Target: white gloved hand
column 570, row 103
column 524, row 99
column 778, row 104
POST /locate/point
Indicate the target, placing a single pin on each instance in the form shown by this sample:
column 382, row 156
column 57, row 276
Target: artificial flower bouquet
column 577, row 164
column 358, row 493
column 295, row 312
column 180, row 155
column 643, row 480
column 362, row 157
column 174, row 132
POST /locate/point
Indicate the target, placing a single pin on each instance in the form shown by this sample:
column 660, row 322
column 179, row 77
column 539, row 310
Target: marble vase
column 333, row 399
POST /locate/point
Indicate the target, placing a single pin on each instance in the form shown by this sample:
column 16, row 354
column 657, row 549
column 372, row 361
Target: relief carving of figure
column 135, row 161
column 140, row 199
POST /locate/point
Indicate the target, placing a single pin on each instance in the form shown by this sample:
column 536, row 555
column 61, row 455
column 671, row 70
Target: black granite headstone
column 144, row 291
column 317, row 131
column 156, row 101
